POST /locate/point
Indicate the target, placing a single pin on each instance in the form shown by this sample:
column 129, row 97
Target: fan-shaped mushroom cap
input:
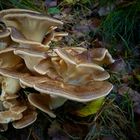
column 15, row 11
column 78, row 55
column 18, row 37
column 79, row 72
column 31, row 80
column 73, row 55
column 65, row 56
column 101, row 56
column 33, row 26
column 29, row 117
column 45, row 67
column 32, row 50
column 8, row 103
column 18, row 109
column 8, row 59
column 12, row 73
column 93, row 72
column 94, row 55
column 31, row 57
column 82, row 93
column 9, row 116
column 41, row 101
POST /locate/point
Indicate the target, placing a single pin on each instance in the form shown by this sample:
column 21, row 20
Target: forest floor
column 113, row 24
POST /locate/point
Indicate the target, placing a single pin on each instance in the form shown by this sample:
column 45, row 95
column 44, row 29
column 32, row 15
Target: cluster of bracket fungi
column 56, row 74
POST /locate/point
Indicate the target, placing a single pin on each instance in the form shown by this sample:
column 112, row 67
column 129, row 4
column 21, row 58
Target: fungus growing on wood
column 57, row 74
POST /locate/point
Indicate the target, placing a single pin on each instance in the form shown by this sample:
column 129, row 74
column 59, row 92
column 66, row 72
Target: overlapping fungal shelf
column 58, row 74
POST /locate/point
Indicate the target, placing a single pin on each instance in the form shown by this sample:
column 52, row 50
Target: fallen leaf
column 118, row 66
column 91, row 108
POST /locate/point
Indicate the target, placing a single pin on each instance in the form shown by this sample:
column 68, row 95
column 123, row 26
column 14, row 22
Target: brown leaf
column 118, row 66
